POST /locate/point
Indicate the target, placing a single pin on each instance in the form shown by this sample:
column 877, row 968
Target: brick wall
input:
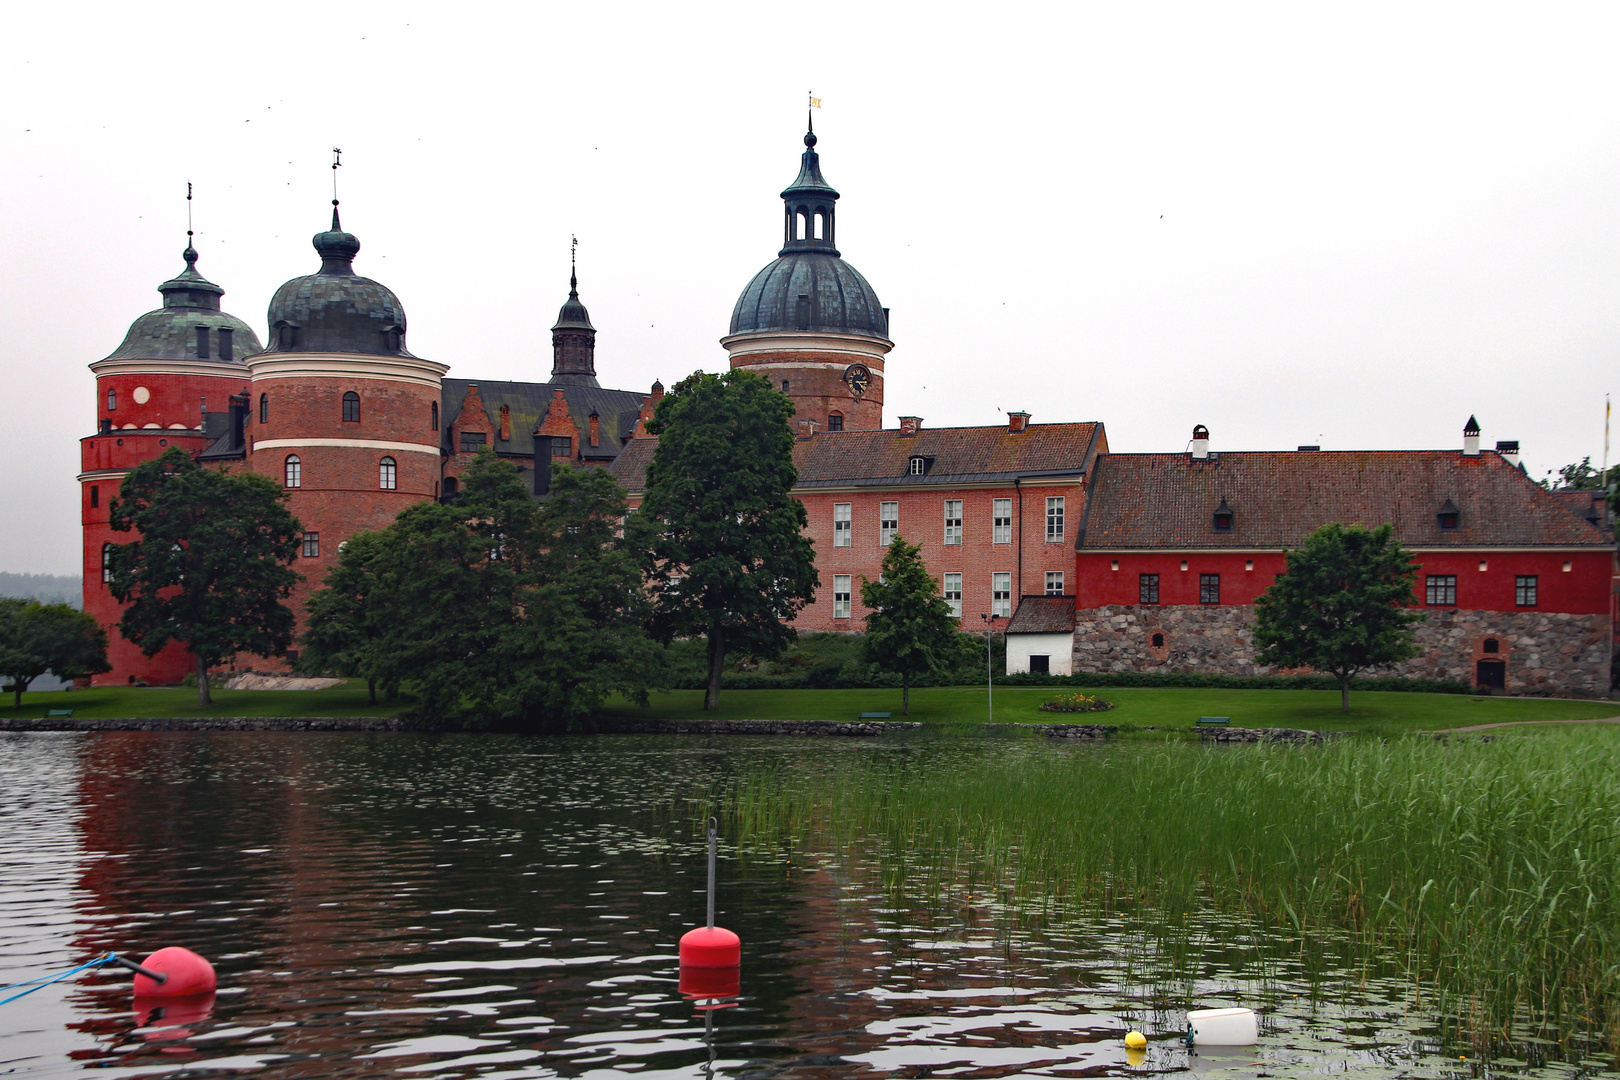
column 816, row 385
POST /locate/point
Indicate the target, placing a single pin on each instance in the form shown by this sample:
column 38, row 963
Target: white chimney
column 1200, row 443
column 1471, row 438
column 1509, row 451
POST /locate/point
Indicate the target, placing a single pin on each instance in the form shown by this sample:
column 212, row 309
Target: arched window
column 351, row 407
column 295, row 472
column 264, row 408
column 106, row 562
column 112, row 399
column 435, row 424
column 835, row 421
column 388, row 474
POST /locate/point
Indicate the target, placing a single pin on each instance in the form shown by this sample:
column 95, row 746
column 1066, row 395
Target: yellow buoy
column 1135, row 1040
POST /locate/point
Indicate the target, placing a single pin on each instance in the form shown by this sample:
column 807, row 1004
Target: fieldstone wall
column 1552, row 654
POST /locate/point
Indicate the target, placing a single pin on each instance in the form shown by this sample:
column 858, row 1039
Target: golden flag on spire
column 815, row 102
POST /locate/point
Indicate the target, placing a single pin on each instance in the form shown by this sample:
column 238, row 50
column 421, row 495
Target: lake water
column 459, row 906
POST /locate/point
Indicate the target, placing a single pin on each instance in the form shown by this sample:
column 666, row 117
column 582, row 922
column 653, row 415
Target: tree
column 729, row 558
column 212, row 564
column 346, row 632
column 911, row 630
column 1341, row 606
column 36, row 638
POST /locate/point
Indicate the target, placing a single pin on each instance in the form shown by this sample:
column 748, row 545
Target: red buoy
column 711, row 956
column 188, row 974
column 711, row 947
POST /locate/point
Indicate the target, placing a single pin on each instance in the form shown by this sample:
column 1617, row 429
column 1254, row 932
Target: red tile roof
column 1043, row 615
column 883, row 458
column 1278, row 498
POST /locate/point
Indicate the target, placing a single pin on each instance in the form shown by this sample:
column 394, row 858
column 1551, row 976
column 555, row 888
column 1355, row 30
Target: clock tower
column 809, row 321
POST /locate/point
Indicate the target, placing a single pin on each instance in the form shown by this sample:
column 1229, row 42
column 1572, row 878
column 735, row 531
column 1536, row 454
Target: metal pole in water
column 714, row 829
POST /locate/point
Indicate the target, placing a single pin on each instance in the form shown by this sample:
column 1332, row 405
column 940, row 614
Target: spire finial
column 810, row 119
column 337, row 159
column 190, row 254
column 573, row 267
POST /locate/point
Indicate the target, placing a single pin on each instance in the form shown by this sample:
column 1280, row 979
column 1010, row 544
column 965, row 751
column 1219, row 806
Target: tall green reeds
column 1489, row 871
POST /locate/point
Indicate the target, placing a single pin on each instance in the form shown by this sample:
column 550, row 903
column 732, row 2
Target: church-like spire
column 809, row 204
column 573, row 338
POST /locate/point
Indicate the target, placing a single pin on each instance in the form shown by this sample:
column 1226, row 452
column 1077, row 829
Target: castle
column 1088, row 560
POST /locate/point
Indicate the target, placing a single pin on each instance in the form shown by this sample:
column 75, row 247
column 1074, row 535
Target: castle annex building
column 1088, row 560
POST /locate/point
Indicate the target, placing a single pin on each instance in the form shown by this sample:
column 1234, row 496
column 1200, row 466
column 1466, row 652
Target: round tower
column 339, row 412
column 169, row 384
column 809, row 321
column 573, row 341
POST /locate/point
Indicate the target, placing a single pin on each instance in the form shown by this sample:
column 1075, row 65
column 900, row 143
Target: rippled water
column 455, row 906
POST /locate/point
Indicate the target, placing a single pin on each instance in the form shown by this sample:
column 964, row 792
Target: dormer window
column 226, row 352
column 1446, row 518
column 394, row 337
column 286, row 335
column 202, row 342
column 919, row 465
column 1222, row 519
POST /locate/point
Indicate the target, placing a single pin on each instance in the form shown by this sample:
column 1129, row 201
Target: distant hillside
column 49, row 588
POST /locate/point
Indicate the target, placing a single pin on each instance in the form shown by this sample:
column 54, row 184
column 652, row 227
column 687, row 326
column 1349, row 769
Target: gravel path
column 1519, row 723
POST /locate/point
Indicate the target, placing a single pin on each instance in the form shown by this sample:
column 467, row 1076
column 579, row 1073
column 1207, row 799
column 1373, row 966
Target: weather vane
column 188, row 213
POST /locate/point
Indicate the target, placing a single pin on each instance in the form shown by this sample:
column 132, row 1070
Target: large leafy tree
column 729, row 559
column 911, row 630
column 1341, row 606
column 36, row 638
column 212, row 564
column 347, row 632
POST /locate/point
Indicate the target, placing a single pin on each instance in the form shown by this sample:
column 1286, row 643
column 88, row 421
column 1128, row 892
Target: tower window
column 351, row 407
column 226, row 352
column 388, row 474
column 835, row 421
column 785, row 386
column 202, row 342
column 294, row 474
column 433, row 420
column 106, row 563
column 112, row 400
column 95, row 496
column 264, row 408
column 312, row 545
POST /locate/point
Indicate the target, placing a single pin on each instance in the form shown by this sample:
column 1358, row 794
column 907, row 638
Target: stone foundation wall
column 1551, row 654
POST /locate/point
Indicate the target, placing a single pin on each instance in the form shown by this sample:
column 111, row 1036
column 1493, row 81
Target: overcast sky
column 1349, row 225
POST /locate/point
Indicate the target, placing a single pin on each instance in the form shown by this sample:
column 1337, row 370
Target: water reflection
column 470, row 906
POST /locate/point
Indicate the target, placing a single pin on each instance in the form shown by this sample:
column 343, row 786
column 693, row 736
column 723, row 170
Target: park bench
column 59, row 712
column 875, row 715
column 1214, row 721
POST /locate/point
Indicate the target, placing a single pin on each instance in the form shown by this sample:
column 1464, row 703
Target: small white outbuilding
column 1040, row 636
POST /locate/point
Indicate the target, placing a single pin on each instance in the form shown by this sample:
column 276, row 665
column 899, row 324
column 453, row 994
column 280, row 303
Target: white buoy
column 1222, row 1027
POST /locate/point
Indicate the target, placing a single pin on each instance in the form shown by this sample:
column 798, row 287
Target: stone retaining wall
column 1270, row 734
column 1551, row 654
column 858, row 728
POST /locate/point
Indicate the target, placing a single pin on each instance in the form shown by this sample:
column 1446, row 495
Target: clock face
column 858, row 377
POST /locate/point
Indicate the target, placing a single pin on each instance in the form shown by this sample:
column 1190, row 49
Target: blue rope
column 46, row 980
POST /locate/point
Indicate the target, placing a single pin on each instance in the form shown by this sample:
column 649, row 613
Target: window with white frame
column 842, row 525
column 312, row 545
column 1001, row 594
column 1054, row 583
column 293, row 475
column 388, row 474
column 841, row 592
column 1054, row 518
column 953, row 521
column 1001, row 521
column 106, row 562
column 888, row 522
column 953, row 593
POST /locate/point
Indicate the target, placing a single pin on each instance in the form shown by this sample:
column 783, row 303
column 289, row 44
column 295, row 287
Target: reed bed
column 1487, row 873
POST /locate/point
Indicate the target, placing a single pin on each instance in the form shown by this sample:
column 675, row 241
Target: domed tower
column 340, row 413
column 809, row 321
column 573, row 341
column 168, row 384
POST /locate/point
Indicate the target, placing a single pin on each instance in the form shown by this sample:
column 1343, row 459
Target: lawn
column 1376, row 712
column 131, row 702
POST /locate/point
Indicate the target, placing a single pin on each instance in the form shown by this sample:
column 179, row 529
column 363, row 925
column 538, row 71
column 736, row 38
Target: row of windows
column 351, row 409
column 951, row 590
column 387, row 473
column 1440, row 590
column 1000, row 522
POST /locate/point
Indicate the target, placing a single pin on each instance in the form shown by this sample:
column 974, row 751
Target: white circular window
column 142, row 395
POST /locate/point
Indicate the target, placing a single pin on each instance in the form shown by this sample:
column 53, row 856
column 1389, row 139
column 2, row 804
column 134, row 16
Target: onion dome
column 809, row 286
column 334, row 309
column 573, row 341
column 189, row 325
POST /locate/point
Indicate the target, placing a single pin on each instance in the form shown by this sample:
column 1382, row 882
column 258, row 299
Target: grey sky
column 1351, row 225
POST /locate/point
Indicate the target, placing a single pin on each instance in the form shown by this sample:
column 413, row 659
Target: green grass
column 1487, row 875
column 1374, row 712
column 130, row 702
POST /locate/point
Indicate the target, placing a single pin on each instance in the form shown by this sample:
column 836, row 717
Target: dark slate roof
column 228, row 442
column 1278, row 498
column 616, row 411
column 1586, row 505
column 335, row 309
column 883, row 458
column 841, row 301
column 1043, row 615
column 170, row 333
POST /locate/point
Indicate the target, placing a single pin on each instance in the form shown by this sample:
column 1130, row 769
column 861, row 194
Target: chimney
column 1017, row 423
column 1509, row 449
column 596, row 428
column 506, row 423
column 1471, row 438
column 910, row 425
column 1200, row 443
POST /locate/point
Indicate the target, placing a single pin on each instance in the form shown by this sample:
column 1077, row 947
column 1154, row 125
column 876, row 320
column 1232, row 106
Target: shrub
column 1076, row 703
